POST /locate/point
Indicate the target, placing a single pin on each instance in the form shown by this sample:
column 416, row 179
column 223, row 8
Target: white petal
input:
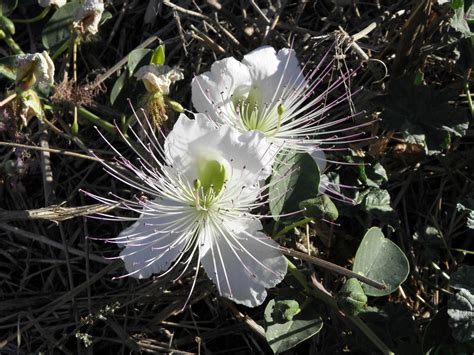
column 274, row 74
column 248, row 154
column 212, row 91
column 40, row 63
column 262, row 62
column 243, row 267
column 153, row 243
column 320, row 159
column 90, row 11
column 323, row 183
column 177, row 143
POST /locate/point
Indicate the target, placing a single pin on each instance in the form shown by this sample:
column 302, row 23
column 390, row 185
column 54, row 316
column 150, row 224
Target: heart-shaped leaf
column 381, row 260
column 296, row 178
column 138, row 56
column 58, row 28
column 283, row 332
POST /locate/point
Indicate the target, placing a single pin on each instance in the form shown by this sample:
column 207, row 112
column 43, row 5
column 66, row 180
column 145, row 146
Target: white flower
column 46, row 3
column 158, row 77
column 88, row 16
column 268, row 92
column 200, row 203
column 34, row 68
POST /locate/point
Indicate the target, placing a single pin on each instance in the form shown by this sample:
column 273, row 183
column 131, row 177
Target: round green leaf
column 381, row 260
column 296, row 178
column 461, row 315
column 8, row 67
column 58, row 29
column 138, row 56
column 7, row 7
column 286, row 330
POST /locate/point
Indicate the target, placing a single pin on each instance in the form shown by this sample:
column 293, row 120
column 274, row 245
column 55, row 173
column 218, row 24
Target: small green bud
column 285, row 310
column 158, row 56
column 174, row 105
column 2, row 34
column 320, row 207
column 351, row 298
column 75, row 127
column 7, row 25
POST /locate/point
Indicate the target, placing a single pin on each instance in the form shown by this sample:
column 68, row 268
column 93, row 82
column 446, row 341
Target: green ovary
column 254, row 114
column 212, row 175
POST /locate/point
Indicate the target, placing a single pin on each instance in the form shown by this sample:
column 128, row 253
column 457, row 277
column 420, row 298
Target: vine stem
column 468, row 96
column 38, row 17
column 291, row 226
column 330, row 301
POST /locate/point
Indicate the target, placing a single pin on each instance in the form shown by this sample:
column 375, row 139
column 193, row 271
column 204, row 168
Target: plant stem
column 370, row 334
column 38, row 17
column 13, row 45
column 97, row 120
column 331, row 301
column 291, row 226
column 469, row 98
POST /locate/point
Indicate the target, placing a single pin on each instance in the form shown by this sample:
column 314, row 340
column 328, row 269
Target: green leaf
column 7, row 7
column 461, row 304
column 138, row 56
column 158, row 56
column 106, row 15
column 395, row 326
column 461, row 315
column 320, row 207
column 381, row 260
column 431, row 239
column 422, row 114
column 285, row 310
column 463, row 278
column 7, row 25
column 58, row 28
column 296, row 178
column 118, row 86
column 8, row 67
column 282, row 333
column 467, row 206
column 376, row 202
column 457, row 4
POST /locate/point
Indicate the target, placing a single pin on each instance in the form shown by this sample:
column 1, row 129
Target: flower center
column 254, row 114
column 212, row 175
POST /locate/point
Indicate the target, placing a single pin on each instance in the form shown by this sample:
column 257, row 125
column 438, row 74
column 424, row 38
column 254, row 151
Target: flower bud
column 351, row 298
column 158, row 77
column 7, row 25
column 320, row 207
column 174, row 105
column 29, row 106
